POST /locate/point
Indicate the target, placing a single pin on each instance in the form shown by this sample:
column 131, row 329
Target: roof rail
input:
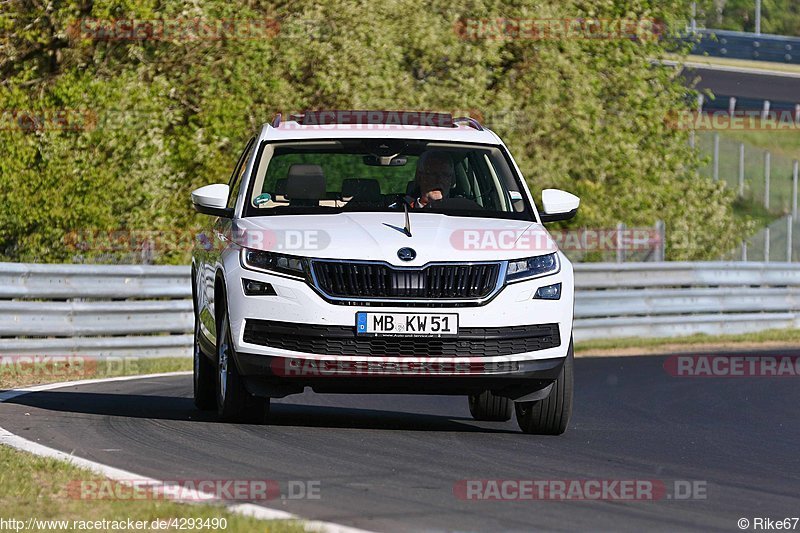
column 470, row 121
column 276, row 121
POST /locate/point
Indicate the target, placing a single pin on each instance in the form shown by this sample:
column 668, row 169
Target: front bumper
column 509, row 340
column 340, row 341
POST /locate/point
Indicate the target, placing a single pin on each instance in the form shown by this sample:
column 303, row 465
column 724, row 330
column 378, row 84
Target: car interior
column 305, row 185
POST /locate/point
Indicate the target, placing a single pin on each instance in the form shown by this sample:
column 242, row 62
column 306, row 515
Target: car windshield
column 385, row 175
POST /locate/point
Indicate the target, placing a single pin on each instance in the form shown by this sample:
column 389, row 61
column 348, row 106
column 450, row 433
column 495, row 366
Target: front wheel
column 204, row 380
column 550, row 416
column 231, row 394
column 487, row 406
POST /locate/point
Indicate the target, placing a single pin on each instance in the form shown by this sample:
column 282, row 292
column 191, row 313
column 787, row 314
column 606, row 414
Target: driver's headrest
column 435, row 170
column 305, row 182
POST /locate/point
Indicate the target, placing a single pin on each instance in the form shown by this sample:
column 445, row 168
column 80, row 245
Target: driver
column 435, row 175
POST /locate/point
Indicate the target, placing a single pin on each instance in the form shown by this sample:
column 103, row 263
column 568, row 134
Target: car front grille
column 378, row 280
column 342, row 340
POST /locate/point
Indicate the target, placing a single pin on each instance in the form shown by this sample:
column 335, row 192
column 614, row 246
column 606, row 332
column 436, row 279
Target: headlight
column 532, row 267
column 272, row 262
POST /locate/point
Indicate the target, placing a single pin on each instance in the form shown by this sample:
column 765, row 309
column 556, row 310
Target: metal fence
column 766, row 179
column 147, row 310
column 777, row 242
column 743, row 45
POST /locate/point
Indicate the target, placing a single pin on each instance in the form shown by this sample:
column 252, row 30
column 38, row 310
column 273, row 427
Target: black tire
column 205, row 385
column 487, row 406
column 230, row 392
column 550, row 416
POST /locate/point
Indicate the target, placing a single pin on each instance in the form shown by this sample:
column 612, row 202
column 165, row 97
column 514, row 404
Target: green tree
column 586, row 115
column 781, row 17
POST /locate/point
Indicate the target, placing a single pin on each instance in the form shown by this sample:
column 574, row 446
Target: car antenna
column 408, row 218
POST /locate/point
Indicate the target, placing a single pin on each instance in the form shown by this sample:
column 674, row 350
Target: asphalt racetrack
column 394, row 463
column 746, row 85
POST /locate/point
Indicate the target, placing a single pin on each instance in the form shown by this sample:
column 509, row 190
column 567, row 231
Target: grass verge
column 24, row 371
column 38, row 489
column 774, row 338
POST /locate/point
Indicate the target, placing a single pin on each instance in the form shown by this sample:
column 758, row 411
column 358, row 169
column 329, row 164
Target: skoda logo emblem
column 406, row 254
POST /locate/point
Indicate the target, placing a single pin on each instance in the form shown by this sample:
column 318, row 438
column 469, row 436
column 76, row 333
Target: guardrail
column 95, row 310
column 676, row 299
column 742, row 45
column 147, row 310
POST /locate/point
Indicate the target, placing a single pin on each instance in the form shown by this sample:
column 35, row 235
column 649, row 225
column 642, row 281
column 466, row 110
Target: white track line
column 123, row 476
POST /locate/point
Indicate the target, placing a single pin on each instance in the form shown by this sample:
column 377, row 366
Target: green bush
column 589, row 116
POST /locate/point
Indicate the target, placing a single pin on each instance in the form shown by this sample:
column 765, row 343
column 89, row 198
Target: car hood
column 379, row 237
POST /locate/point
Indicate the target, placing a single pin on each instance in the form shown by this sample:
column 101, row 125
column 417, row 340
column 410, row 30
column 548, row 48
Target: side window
column 235, row 182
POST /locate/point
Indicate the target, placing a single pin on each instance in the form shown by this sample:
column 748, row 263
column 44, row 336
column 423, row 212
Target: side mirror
column 558, row 205
column 212, row 200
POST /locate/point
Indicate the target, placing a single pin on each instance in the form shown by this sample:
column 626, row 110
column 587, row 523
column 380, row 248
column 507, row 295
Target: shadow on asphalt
column 291, row 415
column 637, row 389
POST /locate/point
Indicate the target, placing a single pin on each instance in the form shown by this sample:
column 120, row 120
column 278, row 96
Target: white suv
column 382, row 252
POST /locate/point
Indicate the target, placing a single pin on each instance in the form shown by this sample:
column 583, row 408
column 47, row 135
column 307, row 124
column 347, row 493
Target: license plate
column 411, row 324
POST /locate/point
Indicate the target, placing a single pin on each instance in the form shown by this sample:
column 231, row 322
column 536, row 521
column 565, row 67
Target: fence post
column 620, row 251
column 146, row 252
column 789, row 220
column 765, row 113
column 758, row 17
column 744, row 251
column 731, row 105
column 767, row 167
column 794, row 188
column 741, row 170
column 661, row 251
column 716, row 156
column 766, row 244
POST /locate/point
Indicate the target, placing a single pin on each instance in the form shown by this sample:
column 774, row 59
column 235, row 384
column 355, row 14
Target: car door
column 211, row 245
